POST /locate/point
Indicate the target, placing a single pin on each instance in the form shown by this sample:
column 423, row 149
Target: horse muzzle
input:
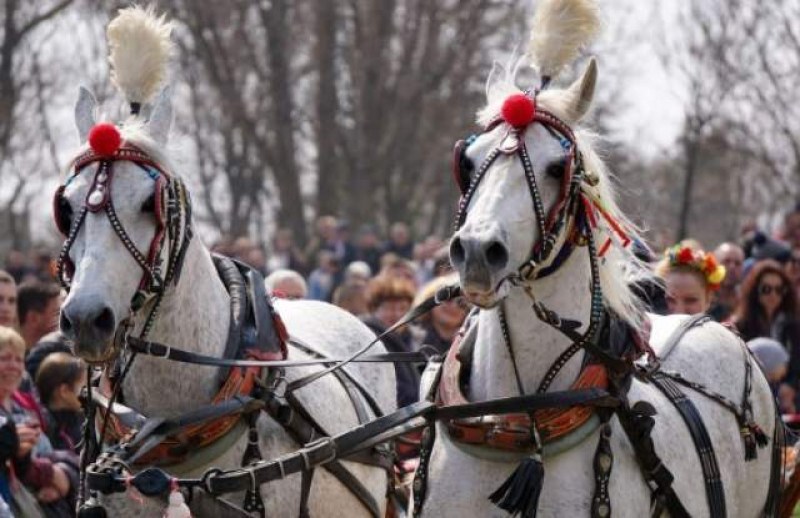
column 481, row 262
column 90, row 326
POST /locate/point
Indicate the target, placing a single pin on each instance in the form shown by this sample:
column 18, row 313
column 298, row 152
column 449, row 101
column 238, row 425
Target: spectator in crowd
column 763, row 247
column 793, row 270
column 285, row 254
column 351, row 296
column 774, row 362
column 726, row 298
column 442, row 323
column 791, row 227
column 368, row 247
column 324, row 237
column 8, row 300
column 357, row 271
column 441, row 262
column 44, row 265
column 60, row 379
column 17, row 266
column 286, row 284
column 38, row 308
column 768, row 308
column 51, row 475
column 54, row 342
column 256, row 258
column 322, row 280
column 400, row 242
column 690, row 276
column 424, row 257
column 343, row 249
column 395, row 266
column 388, row 299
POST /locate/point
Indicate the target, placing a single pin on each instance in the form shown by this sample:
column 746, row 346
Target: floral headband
column 704, row 262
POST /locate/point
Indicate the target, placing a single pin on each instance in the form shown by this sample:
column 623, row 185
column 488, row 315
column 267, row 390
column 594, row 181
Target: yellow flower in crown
column 716, row 277
column 704, row 262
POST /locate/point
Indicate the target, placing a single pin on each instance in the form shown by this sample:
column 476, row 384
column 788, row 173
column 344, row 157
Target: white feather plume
column 140, row 46
column 560, row 29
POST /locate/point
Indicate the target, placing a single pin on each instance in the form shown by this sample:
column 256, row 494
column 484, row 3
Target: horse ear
column 161, row 116
column 580, row 93
column 84, row 112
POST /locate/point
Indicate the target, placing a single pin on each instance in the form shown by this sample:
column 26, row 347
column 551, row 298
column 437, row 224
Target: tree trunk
column 275, row 19
column 329, row 183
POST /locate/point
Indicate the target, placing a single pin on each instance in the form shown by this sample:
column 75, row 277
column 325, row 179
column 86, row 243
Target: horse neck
column 195, row 316
column 536, row 345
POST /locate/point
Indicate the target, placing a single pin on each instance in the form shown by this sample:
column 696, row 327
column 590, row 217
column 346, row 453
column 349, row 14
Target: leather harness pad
column 512, row 431
column 256, row 332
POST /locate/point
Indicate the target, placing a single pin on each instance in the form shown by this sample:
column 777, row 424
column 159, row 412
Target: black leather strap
column 637, row 421
column 442, row 295
column 343, row 445
column 167, row 352
column 702, row 442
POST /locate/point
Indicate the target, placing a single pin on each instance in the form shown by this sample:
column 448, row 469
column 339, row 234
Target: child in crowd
column 60, row 379
column 774, row 361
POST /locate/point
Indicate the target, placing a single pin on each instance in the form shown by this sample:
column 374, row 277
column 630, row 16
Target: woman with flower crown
column 690, row 277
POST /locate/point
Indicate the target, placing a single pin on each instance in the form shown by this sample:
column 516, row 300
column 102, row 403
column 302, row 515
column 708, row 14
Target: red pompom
column 685, row 256
column 518, row 110
column 104, row 138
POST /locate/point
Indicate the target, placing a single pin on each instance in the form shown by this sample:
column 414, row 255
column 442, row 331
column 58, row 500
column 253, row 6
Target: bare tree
column 27, row 146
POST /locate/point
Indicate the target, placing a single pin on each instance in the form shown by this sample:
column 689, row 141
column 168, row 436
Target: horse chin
column 485, row 299
column 95, row 353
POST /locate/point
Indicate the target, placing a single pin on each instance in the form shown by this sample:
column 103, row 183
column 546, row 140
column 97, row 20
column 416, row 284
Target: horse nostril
column 65, row 323
column 497, row 255
column 105, row 321
column 457, row 253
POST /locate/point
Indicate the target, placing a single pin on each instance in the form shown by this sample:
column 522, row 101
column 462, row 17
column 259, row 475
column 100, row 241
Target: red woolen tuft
column 518, row 110
column 104, row 138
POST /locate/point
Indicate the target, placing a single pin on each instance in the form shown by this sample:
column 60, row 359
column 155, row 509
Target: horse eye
column 149, row 205
column 556, row 169
column 64, row 215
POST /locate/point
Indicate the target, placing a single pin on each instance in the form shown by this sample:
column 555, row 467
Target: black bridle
column 173, row 215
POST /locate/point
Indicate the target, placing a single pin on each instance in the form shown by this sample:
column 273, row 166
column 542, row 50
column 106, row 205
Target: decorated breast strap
column 175, row 449
column 512, row 432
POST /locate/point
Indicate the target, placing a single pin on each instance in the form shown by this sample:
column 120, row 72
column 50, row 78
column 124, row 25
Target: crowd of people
column 752, row 286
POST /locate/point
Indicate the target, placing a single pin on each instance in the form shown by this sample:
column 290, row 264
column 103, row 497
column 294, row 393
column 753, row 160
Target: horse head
column 125, row 217
column 533, row 189
column 516, row 178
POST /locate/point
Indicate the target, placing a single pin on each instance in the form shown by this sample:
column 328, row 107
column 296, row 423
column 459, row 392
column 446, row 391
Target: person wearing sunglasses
column 768, row 308
column 441, row 325
column 690, row 277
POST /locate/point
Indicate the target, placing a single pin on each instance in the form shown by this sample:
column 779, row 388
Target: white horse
column 195, row 311
column 498, row 232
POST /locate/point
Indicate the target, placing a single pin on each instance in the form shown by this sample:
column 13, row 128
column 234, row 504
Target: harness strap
column 715, row 491
column 252, row 454
column 305, row 491
column 303, row 429
column 637, row 421
column 168, row 352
